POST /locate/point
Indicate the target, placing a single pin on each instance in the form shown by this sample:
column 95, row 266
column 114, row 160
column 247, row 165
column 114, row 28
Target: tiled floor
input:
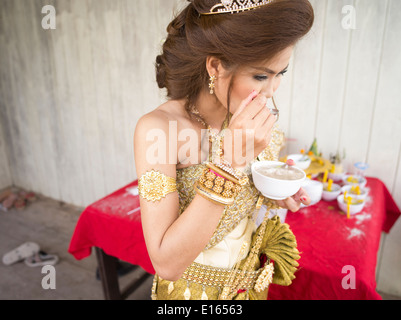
column 51, row 223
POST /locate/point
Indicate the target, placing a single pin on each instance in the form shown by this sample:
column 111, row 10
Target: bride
column 221, row 62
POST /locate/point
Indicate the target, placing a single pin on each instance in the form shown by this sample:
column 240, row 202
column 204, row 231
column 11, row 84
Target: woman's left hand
column 294, row 203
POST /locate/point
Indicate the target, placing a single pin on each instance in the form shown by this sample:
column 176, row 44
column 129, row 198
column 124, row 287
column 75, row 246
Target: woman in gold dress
column 205, row 224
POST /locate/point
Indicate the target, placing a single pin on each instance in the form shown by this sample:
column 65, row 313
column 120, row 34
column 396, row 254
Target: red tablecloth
column 109, row 224
column 327, row 240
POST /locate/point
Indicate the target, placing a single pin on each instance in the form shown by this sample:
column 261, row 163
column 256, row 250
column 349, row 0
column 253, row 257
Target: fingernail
column 303, row 198
column 252, row 95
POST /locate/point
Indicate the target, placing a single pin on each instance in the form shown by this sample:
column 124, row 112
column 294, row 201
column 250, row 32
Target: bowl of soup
column 336, row 176
column 333, row 193
column 355, row 191
column 356, row 205
column 275, row 180
column 354, row 180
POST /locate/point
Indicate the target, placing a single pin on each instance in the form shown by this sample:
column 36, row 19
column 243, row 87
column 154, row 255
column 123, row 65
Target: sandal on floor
column 5, row 194
column 30, row 196
column 9, row 201
column 41, row 258
column 22, row 252
column 20, row 203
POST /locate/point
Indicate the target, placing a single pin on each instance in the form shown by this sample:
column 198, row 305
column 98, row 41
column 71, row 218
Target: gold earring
column 212, row 84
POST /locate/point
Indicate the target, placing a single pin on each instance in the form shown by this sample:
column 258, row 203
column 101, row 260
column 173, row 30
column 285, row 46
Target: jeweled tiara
column 235, row 6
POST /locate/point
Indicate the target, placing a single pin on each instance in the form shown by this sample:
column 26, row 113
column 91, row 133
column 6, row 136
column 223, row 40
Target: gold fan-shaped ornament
column 280, row 245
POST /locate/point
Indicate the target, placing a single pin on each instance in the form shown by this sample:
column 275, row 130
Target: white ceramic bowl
column 362, row 196
column 336, row 176
column 333, row 194
column 314, row 189
column 272, row 188
column 304, row 164
column 361, row 180
column 354, row 208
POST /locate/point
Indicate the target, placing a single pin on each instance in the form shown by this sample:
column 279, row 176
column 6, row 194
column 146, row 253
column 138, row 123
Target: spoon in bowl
column 289, row 163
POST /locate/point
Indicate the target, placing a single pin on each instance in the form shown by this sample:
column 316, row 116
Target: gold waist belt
column 219, row 277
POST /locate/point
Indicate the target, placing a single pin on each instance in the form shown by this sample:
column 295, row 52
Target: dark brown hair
column 236, row 39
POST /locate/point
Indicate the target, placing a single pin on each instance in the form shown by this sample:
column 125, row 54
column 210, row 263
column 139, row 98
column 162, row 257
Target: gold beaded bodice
column 245, row 202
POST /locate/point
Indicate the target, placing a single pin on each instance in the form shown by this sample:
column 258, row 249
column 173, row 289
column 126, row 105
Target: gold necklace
column 198, row 117
column 215, row 138
column 195, row 112
column 216, row 156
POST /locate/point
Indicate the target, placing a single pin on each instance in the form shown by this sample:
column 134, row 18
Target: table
column 333, row 246
column 327, row 240
column 112, row 226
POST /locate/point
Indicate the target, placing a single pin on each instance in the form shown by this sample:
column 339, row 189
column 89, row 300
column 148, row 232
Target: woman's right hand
column 253, row 116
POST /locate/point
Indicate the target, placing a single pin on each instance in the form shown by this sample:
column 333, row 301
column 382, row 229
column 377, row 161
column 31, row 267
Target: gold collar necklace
column 198, row 117
column 216, row 157
column 216, row 139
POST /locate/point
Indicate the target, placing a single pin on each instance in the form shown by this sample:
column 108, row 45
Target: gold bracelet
column 212, row 196
column 219, row 184
column 225, row 169
column 221, row 172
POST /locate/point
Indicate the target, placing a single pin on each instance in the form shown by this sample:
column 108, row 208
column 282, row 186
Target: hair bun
column 203, row 6
column 191, row 38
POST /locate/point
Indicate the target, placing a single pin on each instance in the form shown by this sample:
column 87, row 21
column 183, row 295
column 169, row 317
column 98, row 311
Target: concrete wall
column 70, row 97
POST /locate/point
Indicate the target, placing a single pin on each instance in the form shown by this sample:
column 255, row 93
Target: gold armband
column 154, row 185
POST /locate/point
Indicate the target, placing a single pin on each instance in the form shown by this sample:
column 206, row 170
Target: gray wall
column 70, row 98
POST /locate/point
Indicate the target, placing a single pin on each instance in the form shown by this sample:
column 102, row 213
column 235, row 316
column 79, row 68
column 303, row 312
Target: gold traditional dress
column 241, row 259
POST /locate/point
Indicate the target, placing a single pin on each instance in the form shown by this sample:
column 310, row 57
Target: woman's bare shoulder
column 151, row 140
column 161, row 116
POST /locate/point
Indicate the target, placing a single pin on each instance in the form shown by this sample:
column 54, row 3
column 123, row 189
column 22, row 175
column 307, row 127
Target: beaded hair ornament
column 235, row 6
